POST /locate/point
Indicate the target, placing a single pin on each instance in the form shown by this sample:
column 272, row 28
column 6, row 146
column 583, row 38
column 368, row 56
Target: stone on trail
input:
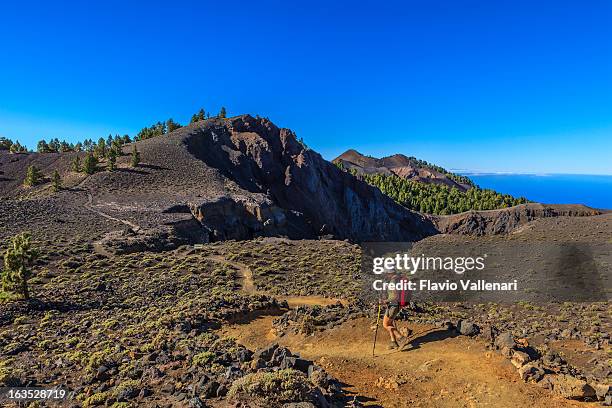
column 519, row 359
column 531, row 372
column 602, row 390
column 296, row 363
column 506, row 352
column 257, row 363
column 568, row 386
column 265, row 353
column 279, row 355
column 318, row 376
column 468, row 328
column 505, row 339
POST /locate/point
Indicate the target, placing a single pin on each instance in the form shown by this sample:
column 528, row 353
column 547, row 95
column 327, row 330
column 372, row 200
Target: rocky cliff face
column 503, row 221
column 289, row 190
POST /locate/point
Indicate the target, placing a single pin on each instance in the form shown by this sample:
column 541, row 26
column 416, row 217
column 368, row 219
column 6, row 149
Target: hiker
column 393, row 306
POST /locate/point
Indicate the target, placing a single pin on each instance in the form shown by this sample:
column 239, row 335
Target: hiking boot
column 403, row 341
column 393, row 345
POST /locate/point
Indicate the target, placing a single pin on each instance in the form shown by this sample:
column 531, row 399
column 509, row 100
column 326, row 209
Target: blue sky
column 478, row 85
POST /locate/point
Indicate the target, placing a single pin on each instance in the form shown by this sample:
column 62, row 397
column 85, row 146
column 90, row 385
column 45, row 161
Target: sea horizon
column 593, row 190
column 512, row 173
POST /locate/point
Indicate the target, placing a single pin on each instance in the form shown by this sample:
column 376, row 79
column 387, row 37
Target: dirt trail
column 436, row 370
column 248, row 286
column 97, row 247
column 90, row 207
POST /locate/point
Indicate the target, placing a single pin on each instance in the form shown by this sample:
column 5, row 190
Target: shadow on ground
column 428, row 337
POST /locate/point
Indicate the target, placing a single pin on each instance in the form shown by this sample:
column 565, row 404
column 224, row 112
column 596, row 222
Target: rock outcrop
column 286, row 189
column 506, row 220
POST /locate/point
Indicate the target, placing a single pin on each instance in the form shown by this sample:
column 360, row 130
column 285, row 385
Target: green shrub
column 204, row 358
column 96, row 399
column 272, row 388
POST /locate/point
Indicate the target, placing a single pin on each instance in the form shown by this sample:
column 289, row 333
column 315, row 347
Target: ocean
column 592, row 190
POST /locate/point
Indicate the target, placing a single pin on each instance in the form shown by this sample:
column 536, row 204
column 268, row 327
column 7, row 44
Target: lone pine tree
column 33, row 176
column 18, row 258
column 56, row 181
column 135, row 161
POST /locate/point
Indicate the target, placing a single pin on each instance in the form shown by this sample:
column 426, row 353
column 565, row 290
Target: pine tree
column 112, row 160
column 54, row 145
column 42, row 147
column 194, row 118
column 201, row 115
column 17, row 148
column 33, row 176
column 56, row 181
column 65, row 146
column 17, row 259
column 100, row 149
column 171, row 125
column 117, row 143
column 222, row 113
column 76, row 164
column 5, row 144
column 90, row 163
column 135, row 157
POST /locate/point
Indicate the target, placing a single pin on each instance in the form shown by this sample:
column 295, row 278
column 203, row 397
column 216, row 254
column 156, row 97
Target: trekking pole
column 376, row 331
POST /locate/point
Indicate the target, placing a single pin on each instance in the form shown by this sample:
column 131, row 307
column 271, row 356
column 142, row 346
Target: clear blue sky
column 479, row 85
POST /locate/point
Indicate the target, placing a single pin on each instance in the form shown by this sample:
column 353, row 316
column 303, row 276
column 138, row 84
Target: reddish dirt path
column 436, row 371
column 248, row 286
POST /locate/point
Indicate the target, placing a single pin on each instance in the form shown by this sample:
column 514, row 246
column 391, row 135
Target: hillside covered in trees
column 54, row 145
column 438, row 199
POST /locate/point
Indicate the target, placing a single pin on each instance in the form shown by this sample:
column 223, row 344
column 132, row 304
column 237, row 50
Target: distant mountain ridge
column 409, row 168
